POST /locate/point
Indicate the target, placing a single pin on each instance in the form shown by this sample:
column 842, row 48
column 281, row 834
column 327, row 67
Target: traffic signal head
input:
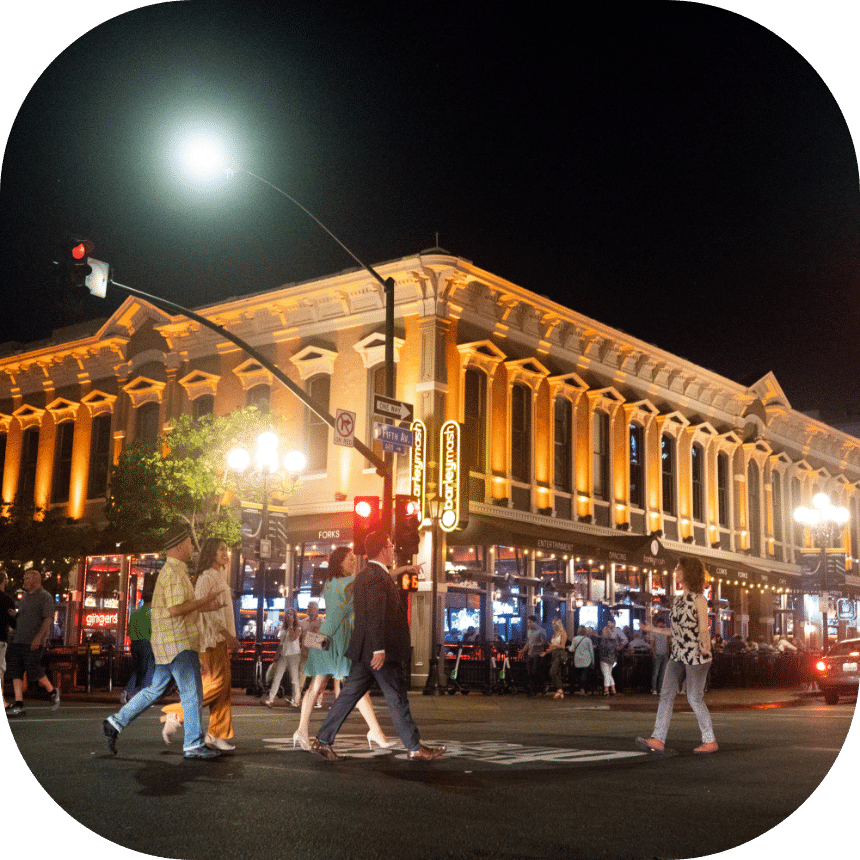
column 365, row 515
column 80, row 270
column 406, row 525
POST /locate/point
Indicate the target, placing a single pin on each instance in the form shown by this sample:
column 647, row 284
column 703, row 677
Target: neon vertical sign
column 418, row 466
column 450, row 478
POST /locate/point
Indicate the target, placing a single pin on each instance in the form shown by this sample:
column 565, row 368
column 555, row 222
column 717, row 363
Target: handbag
column 317, row 640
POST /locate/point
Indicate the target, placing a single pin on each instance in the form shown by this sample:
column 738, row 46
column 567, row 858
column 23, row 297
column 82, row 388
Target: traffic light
column 406, row 525
column 81, row 271
column 365, row 515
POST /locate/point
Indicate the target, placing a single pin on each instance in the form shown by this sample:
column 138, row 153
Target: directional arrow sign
column 390, row 408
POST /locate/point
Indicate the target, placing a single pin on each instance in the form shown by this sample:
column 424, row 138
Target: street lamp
column 433, row 687
column 205, row 156
column 824, row 521
column 267, row 475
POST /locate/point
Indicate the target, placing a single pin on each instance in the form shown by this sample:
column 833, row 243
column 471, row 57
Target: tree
column 44, row 540
column 184, row 479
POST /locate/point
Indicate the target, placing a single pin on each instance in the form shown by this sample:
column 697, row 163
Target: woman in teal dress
column 321, row 665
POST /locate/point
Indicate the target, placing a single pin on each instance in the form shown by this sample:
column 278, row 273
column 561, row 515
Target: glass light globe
column 821, row 500
column 267, row 442
column 238, row 460
column 841, row 515
column 295, row 462
column 801, row 515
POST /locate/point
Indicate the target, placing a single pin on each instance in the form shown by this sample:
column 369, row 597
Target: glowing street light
column 205, row 155
column 824, row 521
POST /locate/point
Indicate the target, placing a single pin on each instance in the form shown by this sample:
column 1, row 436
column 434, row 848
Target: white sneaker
column 218, row 743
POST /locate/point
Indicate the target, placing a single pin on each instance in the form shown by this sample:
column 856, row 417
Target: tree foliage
column 184, row 479
column 44, row 540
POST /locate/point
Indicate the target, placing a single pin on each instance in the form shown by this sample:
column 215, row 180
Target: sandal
column 707, row 749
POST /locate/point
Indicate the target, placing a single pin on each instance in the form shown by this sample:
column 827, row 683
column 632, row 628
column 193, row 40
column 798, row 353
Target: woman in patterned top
column 689, row 657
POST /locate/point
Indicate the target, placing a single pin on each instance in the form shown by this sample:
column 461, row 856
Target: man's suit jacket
column 380, row 619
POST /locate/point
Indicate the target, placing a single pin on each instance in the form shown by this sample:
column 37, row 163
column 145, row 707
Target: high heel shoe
column 373, row 738
column 559, row 695
column 302, row 740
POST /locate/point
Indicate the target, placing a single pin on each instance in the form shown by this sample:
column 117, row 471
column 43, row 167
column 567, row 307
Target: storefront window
column 100, row 612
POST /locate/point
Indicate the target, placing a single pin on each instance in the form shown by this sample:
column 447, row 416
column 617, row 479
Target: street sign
column 395, row 439
column 344, row 428
column 390, row 408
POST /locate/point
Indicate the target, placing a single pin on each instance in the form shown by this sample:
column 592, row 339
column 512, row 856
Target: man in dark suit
column 378, row 647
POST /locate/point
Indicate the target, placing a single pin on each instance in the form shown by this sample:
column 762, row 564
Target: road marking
column 489, row 752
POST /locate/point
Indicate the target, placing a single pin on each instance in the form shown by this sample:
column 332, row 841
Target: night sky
column 671, row 169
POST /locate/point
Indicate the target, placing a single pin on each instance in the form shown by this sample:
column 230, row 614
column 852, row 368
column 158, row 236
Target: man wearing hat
column 176, row 644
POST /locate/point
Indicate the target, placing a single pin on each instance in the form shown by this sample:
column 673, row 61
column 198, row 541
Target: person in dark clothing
column 7, row 620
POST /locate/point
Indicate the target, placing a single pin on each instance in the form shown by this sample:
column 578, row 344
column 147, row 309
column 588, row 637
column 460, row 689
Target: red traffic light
column 406, row 525
column 365, row 515
column 83, row 249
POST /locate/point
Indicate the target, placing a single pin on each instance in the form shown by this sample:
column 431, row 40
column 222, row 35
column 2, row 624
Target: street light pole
column 433, row 687
column 267, row 476
column 388, row 291
column 822, row 519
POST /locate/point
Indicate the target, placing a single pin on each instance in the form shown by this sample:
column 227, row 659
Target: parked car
column 839, row 671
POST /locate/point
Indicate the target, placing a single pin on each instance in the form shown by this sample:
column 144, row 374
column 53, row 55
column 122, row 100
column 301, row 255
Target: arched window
column 723, row 488
column 203, row 405
column 64, row 444
column 146, row 424
column 100, row 456
column 795, row 504
column 475, row 419
column 754, row 502
column 600, row 455
column 667, row 468
column 316, row 430
column 698, row 480
column 637, row 466
column 259, row 396
column 521, row 433
column 563, row 442
column 29, row 460
column 776, row 501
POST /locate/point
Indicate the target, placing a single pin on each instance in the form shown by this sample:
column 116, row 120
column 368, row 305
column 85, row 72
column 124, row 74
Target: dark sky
column 671, row 169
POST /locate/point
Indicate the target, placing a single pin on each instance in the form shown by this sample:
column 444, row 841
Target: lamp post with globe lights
column 267, row 475
column 825, row 521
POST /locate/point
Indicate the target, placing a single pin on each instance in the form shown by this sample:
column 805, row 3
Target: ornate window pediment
column 528, row 371
column 481, row 355
column 315, row 360
column 198, row 382
column 62, row 409
column 28, row 416
column 251, row 373
column 144, row 390
column 98, row 402
column 372, row 349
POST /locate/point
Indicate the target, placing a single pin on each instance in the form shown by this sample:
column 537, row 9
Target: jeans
column 695, row 676
column 143, row 661
column 282, row 664
column 185, row 670
column 660, row 661
column 357, row 683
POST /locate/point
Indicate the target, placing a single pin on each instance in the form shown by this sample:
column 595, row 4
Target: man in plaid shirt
column 176, row 644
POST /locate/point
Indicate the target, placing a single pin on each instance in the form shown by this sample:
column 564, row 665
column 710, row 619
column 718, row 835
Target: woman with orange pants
column 217, row 639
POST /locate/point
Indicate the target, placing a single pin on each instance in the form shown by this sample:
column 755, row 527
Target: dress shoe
column 425, row 753
column 324, row 750
column 218, row 743
column 651, row 745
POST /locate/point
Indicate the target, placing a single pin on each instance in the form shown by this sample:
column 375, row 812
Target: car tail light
column 822, row 666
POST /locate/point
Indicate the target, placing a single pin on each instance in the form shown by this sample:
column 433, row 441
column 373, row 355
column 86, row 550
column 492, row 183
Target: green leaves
column 184, row 479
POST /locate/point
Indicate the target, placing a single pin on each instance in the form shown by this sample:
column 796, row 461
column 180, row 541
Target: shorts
column 22, row 658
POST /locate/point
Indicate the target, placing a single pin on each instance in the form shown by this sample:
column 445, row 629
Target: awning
column 638, row 550
column 745, row 574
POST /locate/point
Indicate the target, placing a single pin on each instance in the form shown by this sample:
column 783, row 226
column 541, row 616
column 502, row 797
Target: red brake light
column 79, row 251
column 822, row 666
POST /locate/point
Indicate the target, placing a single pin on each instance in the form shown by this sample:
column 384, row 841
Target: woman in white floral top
column 689, row 657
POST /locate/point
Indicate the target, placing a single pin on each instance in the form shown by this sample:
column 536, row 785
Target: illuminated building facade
column 594, row 458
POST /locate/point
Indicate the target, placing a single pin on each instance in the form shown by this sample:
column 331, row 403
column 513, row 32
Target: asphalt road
column 523, row 779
